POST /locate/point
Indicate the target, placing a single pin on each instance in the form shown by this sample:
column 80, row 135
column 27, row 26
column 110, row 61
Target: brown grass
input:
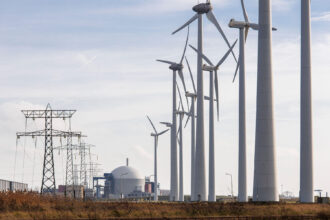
column 25, row 205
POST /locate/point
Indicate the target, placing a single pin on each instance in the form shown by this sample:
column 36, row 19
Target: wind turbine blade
column 182, row 79
column 165, row 61
column 189, row 114
column 226, row 55
column 244, row 12
column 237, row 66
column 212, row 19
column 216, row 85
column 163, row 132
column 203, row 56
column 152, row 124
column 191, row 76
column 246, row 33
column 180, row 96
column 186, row 24
column 184, row 86
column 185, row 47
column 185, row 125
column 165, row 123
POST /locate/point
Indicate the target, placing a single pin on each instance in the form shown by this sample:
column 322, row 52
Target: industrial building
column 6, row 185
column 78, row 191
column 123, row 182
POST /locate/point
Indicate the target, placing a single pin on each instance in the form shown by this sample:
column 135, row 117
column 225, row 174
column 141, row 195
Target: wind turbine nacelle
column 202, row 8
column 153, row 135
column 208, row 68
column 191, row 95
column 176, row 67
column 237, row 24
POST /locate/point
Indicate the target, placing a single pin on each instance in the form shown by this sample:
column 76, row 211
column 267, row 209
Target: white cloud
column 283, row 5
column 322, row 17
column 142, row 152
column 160, row 6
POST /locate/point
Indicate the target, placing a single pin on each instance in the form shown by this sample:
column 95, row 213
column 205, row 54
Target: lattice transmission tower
column 48, row 184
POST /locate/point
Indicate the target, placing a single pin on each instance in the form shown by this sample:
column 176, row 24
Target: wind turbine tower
column 177, row 69
column 243, row 27
column 265, row 173
column 306, row 132
column 214, row 84
column 200, row 170
column 155, row 135
column 193, row 97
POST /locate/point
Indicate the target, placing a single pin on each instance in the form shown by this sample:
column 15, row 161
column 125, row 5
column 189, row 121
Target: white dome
column 126, row 172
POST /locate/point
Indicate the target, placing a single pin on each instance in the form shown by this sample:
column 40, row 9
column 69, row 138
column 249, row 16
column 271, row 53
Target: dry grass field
column 33, row 206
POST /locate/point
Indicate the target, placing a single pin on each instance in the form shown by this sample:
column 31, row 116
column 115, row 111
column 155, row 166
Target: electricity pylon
column 48, row 184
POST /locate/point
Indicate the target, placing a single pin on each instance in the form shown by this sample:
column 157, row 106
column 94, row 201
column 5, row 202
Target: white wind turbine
column 200, row 9
column 214, row 84
column 193, row 97
column 265, row 169
column 306, row 119
column 243, row 27
column 176, row 68
column 181, row 112
column 155, row 135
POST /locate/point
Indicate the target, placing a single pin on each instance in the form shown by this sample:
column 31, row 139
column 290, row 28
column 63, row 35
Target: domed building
column 126, row 180
column 122, row 182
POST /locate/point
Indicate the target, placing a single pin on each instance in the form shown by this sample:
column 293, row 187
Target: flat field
column 33, row 206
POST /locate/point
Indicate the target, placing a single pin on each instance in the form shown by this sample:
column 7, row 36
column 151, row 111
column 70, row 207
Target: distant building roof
column 126, row 172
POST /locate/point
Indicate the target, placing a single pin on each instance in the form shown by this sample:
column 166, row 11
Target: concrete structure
column 265, row 172
column 306, row 130
column 120, row 183
column 126, row 180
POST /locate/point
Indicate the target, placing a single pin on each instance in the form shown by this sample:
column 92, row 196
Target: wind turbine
column 193, row 97
column 200, row 9
column 213, row 69
column 243, row 27
column 181, row 112
column 176, row 68
column 155, row 135
column 265, row 171
column 306, row 124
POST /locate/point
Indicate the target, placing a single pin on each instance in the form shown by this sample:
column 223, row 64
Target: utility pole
column 48, row 184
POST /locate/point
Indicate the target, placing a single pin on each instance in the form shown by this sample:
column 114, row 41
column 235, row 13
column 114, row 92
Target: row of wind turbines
column 265, row 171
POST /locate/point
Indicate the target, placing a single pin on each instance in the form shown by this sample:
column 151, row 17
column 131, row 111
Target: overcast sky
column 98, row 57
